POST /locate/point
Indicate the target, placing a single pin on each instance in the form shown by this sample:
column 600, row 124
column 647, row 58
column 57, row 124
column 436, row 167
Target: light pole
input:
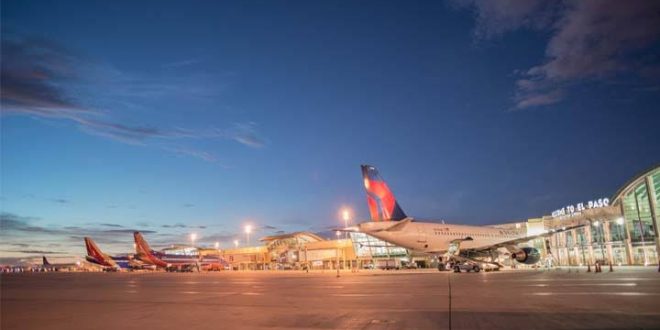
column 248, row 230
column 338, row 233
column 346, row 215
column 193, row 237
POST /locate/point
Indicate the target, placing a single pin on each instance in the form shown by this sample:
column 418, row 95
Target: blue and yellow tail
column 382, row 203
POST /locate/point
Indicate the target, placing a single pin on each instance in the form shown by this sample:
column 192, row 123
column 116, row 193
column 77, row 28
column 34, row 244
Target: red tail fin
column 381, row 200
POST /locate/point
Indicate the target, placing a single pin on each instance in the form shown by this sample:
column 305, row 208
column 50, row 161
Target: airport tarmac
column 423, row 299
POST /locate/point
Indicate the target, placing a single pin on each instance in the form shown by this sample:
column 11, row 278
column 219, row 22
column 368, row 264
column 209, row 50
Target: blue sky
column 173, row 117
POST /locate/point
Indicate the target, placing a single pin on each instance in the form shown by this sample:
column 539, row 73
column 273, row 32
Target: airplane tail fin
column 382, row 203
column 92, row 249
column 141, row 245
column 45, row 261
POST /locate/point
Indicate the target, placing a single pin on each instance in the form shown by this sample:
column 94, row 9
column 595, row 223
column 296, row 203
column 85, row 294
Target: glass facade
column 628, row 238
column 370, row 247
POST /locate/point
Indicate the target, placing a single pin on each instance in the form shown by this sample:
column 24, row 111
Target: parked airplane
column 58, row 267
column 451, row 243
column 175, row 262
column 112, row 263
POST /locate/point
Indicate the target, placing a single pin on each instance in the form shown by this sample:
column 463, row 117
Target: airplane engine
column 527, row 255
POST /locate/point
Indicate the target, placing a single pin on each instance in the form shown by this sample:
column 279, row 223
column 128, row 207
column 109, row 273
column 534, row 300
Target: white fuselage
column 436, row 237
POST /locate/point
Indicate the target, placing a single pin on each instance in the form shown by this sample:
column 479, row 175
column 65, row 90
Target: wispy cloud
column 246, row 134
column 41, row 78
column 592, row 41
column 182, row 63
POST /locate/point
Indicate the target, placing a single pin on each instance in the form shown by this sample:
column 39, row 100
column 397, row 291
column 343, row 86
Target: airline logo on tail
column 95, row 255
column 144, row 251
column 381, row 201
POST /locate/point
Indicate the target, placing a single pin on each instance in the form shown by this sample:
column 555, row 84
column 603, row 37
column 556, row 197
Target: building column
column 589, row 239
column 607, row 238
column 576, row 251
column 627, row 240
column 650, row 193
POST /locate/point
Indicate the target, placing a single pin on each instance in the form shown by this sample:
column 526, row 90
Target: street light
column 193, row 237
column 338, row 233
column 346, row 215
column 248, row 230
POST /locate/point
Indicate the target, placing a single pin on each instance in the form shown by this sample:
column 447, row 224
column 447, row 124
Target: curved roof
column 305, row 235
column 636, row 180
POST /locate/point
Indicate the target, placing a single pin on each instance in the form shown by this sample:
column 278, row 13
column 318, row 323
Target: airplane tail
column 45, row 261
column 92, row 249
column 144, row 252
column 141, row 245
column 382, row 203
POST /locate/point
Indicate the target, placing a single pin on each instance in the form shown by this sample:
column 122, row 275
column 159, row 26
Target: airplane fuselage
column 437, row 237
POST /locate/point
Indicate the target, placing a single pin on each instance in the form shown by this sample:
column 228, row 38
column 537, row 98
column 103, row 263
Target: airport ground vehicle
column 467, row 267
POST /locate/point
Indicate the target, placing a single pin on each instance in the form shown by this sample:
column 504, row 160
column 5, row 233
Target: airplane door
column 421, row 237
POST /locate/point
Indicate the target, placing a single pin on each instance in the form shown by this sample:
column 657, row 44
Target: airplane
column 451, row 243
column 173, row 262
column 112, row 263
column 47, row 266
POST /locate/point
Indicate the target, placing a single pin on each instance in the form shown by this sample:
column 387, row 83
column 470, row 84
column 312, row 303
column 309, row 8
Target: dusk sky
column 189, row 116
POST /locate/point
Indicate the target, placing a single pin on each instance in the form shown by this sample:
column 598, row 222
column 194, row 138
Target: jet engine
column 527, row 255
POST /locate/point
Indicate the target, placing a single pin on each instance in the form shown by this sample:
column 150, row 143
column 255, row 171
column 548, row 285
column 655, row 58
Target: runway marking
column 583, row 284
column 592, row 293
column 385, row 294
column 578, row 279
column 329, row 287
column 190, row 292
column 351, row 295
column 252, row 293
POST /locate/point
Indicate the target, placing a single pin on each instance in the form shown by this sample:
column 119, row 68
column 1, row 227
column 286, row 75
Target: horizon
column 169, row 119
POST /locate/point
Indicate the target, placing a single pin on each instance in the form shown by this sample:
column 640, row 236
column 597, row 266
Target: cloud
column 44, row 79
column 34, row 251
column 111, row 225
column 128, row 231
column 13, row 223
column 494, row 18
column 60, row 200
column 591, row 41
column 181, row 63
column 246, row 134
column 180, row 225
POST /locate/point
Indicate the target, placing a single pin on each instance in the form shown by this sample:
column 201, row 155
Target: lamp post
column 346, row 215
column 248, row 230
column 193, row 237
column 338, row 233
column 601, row 233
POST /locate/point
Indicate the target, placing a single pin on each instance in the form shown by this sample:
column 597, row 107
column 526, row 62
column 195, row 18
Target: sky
column 180, row 117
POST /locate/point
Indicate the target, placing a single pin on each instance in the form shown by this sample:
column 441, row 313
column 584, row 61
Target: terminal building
column 621, row 230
